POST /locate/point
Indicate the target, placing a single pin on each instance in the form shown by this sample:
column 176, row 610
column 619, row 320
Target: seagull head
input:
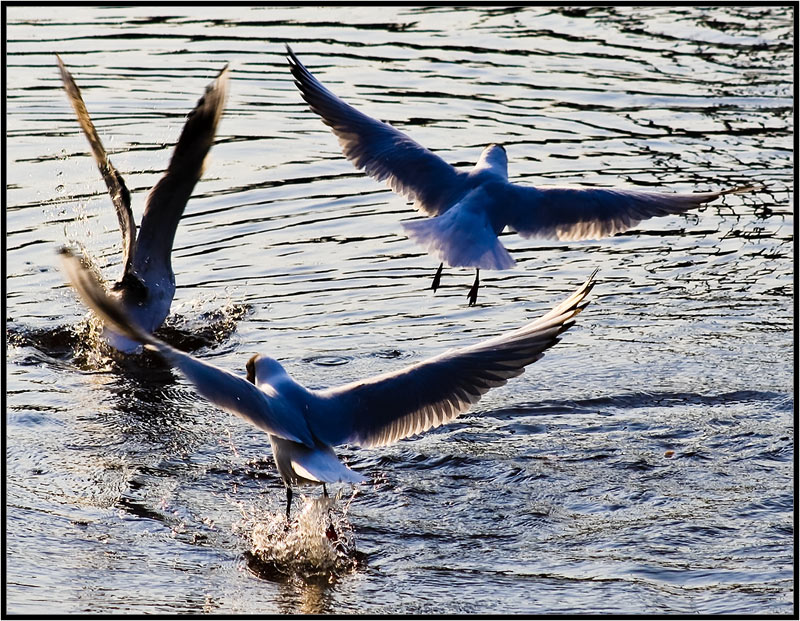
column 264, row 370
column 494, row 158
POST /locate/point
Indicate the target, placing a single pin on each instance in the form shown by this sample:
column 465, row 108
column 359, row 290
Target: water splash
column 317, row 545
column 210, row 328
column 84, row 345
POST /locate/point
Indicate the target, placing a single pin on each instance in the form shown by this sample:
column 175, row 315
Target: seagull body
column 303, row 425
column 469, row 209
column 147, row 286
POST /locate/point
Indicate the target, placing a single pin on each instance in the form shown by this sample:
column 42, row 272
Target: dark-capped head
column 263, row 370
column 251, row 369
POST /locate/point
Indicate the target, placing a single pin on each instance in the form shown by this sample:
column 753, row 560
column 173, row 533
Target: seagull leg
column 330, row 532
column 437, row 278
column 288, row 502
column 473, row 292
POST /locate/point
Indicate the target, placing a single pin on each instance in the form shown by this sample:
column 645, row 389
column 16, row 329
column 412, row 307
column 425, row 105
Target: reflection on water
column 644, row 465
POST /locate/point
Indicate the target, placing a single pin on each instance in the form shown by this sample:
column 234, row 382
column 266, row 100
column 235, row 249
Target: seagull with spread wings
column 147, row 285
column 303, row 425
column 468, row 209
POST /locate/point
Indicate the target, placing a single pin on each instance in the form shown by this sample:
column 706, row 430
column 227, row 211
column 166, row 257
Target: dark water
column 643, row 466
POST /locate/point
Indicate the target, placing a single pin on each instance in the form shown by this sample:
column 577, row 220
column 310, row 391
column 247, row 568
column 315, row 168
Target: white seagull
column 470, row 209
column 303, row 425
column 147, row 285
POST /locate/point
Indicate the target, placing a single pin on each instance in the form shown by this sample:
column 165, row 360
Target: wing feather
column 383, row 152
column 117, row 189
column 593, row 213
column 168, row 198
column 383, row 409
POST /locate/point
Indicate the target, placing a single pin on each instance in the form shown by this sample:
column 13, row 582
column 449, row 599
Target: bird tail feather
column 459, row 243
column 323, row 466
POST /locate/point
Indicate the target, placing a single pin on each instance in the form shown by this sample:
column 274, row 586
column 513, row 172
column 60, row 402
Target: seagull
column 304, row 425
column 147, row 285
column 469, row 209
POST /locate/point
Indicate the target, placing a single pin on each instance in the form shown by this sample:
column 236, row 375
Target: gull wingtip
column 744, row 188
column 66, row 76
column 591, row 281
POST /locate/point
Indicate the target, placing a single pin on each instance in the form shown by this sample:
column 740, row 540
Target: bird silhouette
column 147, row 285
column 469, row 209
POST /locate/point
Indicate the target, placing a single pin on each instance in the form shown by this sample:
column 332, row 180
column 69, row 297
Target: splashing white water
column 318, row 543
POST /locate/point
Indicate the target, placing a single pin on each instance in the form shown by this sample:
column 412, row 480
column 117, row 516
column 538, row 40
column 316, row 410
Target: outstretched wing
column 383, row 409
column 592, row 213
column 114, row 181
column 168, row 198
column 227, row 391
column 382, row 151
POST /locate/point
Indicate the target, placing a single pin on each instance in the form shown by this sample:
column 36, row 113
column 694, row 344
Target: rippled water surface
column 644, row 465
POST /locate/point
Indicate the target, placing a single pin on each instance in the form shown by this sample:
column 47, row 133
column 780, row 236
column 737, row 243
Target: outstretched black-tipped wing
column 120, row 196
column 168, row 198
column 227, row 391
column 383, row 409
column 593, row 213
column 382, row 151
